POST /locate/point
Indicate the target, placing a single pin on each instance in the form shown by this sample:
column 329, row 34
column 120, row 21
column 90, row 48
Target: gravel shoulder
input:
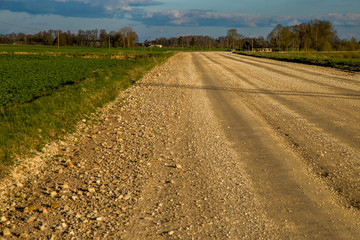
column 165, row 160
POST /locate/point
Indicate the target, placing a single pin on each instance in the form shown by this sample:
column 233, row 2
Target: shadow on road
column 257, row 91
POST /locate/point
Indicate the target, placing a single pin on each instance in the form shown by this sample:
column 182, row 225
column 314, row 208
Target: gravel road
column 206, row 146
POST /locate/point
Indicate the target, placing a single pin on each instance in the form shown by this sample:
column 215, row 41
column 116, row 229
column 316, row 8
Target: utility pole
column 58, row 39
column 109, row 42
column 151, row 44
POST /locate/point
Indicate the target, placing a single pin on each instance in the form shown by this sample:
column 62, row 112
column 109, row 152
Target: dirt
column 206, row 146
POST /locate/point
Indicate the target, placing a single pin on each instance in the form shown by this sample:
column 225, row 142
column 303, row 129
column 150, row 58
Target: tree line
column 191, row 41
column 125, row 37
column 313, row 35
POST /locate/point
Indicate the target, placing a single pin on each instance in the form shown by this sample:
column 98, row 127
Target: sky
column 174, row 18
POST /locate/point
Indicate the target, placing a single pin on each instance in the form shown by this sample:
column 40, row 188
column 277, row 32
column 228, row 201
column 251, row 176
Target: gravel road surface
column 209, row 145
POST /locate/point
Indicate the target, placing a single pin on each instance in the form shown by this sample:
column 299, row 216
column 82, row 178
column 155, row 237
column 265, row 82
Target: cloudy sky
column 167, row 18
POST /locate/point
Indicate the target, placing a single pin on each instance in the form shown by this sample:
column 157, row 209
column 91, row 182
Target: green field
column 26, row 77
column 43, row 96
column 342, row 60
column 92, row 52
column 77, row 51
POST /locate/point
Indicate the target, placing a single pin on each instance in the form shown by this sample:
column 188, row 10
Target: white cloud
column 127, row 8
column 349, row 19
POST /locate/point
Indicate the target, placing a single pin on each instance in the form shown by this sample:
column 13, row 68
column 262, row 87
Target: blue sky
column 166, row 18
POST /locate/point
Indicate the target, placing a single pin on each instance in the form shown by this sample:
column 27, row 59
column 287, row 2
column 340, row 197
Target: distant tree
column 104, row 38
column 193, row 42
column 322, row 35
column 346, row 45
column 274, row 36
column 234, row 38
column 115, row 39
column 129, row 36
column 81, row 38
column 316, row 34
column 281, row 37
column 302, row 36
column 181, row 41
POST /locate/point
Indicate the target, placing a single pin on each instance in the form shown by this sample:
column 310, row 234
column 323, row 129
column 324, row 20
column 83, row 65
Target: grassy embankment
column 44, row 96
column 343, row 60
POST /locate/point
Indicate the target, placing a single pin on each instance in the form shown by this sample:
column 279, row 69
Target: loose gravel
column 147, row 167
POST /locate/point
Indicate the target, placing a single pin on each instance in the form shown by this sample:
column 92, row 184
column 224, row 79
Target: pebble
column 30, row 208
column 42, row 228
column 69, row 164
column 54, row 205
column 24, row 235
column 6, row 232
column 127, row 197
column 31, row 219
column 44, row 211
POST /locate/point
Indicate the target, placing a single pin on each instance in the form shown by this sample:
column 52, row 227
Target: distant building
column 256, row 45
column 153, row 45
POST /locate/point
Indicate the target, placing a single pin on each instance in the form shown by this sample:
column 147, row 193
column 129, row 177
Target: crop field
column 77, row 51
column 117, row 53
column 26, row 77
column 44, row 96
column 343, row 60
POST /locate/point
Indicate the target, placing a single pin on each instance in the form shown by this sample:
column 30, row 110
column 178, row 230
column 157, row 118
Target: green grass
column 343, row 60
column 26, row 127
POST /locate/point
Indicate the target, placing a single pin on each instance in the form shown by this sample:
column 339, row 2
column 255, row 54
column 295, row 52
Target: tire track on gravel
column 289, row 195
column 331, row 155
column 300, row 68
column 327, row 123
column 266, row 66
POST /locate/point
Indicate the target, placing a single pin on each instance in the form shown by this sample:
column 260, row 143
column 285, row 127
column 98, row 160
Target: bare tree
column 235, row 38
column 129, row 36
